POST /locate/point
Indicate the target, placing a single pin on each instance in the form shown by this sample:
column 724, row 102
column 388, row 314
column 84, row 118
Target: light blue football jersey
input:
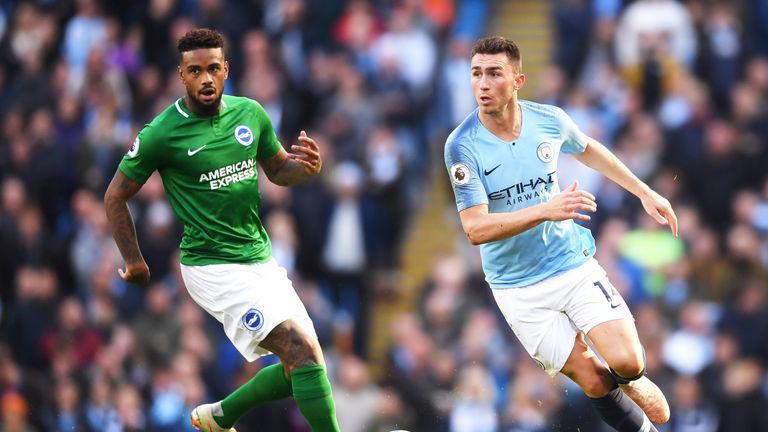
column 509, row 176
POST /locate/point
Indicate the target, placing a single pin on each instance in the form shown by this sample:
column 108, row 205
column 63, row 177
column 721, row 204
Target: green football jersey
column 209, row 172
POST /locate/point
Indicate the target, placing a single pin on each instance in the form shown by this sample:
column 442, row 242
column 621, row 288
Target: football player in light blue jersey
column 502, row 161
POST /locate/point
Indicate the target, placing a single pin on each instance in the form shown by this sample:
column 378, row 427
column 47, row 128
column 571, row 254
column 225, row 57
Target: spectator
column 474, row 407
column 744, row 406
column 356, row 396
column 66, row 414
column 573, row 23
column 14, row 413
column 84, row 32
column 446, row 301
column 346, row 249
column 158, row 330
column 73, row 335
column 99, row 409
column 33, row 316
column 692, row 412
column 721, row 52
column 689, row 349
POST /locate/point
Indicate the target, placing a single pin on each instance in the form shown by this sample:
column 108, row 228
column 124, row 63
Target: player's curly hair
column 200, row 38
column 498, row 44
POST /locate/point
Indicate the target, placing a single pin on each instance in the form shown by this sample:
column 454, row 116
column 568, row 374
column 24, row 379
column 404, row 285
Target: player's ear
column 226, row 69
column 519, row 81
column 181, row 75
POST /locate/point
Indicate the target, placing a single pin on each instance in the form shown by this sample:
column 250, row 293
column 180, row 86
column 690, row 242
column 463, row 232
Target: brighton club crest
column 253, row 320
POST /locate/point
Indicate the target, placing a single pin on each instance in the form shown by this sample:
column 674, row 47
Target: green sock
column 312, row 393
column 267, row 385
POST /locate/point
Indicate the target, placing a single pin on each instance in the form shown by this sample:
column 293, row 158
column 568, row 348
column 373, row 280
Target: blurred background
column 413, row 340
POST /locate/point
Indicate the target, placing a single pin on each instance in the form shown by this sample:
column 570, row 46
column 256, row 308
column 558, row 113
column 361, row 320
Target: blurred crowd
column 679, row 90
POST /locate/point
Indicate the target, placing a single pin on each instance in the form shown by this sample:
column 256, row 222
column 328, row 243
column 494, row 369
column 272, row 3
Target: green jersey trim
column 178, row 108
column 184, row 113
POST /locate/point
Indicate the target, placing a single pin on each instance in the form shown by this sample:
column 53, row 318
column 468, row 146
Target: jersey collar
column 185, row 114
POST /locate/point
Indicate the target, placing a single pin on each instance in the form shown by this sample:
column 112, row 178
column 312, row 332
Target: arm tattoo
column 125, row 184
column 120, row 219
column 290, row 173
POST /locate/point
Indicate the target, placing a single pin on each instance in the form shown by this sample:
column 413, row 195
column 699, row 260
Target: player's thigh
column 250, row 300
column 598, row 310
column 592, row 299
column 619, row 344
column 546, row 333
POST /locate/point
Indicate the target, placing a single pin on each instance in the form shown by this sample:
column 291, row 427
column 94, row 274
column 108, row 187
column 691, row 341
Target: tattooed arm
column 123, row 229
column 288, row 169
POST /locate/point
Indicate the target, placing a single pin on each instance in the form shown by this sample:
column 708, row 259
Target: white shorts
column 547, row 316
column 249, row 300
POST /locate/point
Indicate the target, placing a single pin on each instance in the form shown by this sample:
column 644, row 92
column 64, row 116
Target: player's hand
column 660, row 209
column 135, row 273
column 568, row 202
column 307, row 154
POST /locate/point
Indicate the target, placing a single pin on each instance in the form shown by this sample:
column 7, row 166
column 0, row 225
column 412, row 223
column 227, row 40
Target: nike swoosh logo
column 613, row 306
column 488, row 172
column 193, row 152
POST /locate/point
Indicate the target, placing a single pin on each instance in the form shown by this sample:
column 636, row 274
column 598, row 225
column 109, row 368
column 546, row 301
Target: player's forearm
column 497, row 226
column 290, row 173
column 123, row 228
column 599, row 158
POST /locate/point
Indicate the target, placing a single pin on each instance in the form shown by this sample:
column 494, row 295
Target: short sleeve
column 269, row 145
column 574, row 140
column 144, row 156
column 462, row 169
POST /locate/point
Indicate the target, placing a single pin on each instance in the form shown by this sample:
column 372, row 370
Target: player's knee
column 295, row 348
column 628, row 368
column 303, row 350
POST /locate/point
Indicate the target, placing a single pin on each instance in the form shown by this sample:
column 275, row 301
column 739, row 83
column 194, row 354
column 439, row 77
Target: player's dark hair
column 200, row 38
column 496, row 45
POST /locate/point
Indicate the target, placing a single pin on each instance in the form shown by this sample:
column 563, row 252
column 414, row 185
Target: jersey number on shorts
column 607, row 295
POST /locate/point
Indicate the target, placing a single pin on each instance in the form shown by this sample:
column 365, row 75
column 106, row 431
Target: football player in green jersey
column 205, row 147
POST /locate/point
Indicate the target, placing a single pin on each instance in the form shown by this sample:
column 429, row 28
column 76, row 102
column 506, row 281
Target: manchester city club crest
column 459, row 174
column 545, row 152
